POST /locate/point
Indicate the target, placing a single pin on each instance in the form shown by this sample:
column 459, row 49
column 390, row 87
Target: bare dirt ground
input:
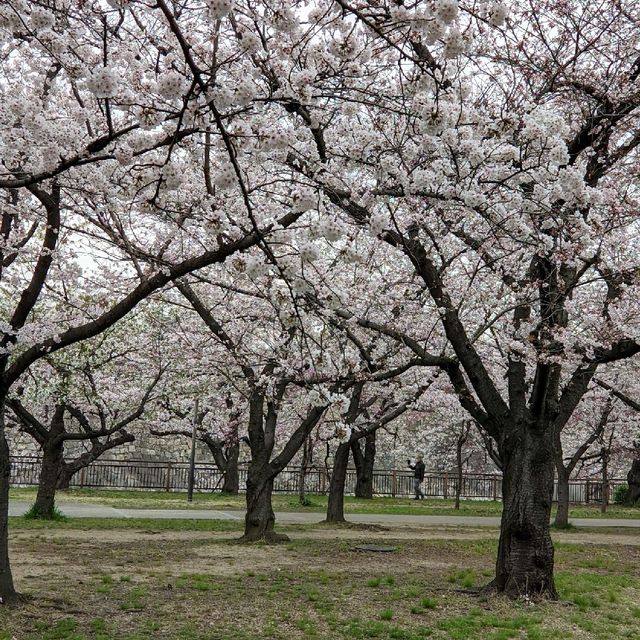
column 129, row 584
column 238, row 559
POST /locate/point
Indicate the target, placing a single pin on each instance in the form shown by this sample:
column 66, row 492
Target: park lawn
column 123, row 499
column 97, row 584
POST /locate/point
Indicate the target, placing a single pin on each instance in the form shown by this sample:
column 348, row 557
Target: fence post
column 394, row 486
column 586, row 492
column 445, row 485
column 167, row 485
column 495, row 488
column 82, row 476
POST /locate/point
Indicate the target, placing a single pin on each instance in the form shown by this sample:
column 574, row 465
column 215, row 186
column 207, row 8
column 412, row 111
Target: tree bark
column 8, row 593
column 605, row 480
column 562, row 512
column 335, row 504
column 52, row 460
column 364, row 466
column 633, row 480
column 64, row 478
column 226, row 459
column 456, row 504
column 525, row 552
column 304, row 467
column 231, row 475
column 260, row 520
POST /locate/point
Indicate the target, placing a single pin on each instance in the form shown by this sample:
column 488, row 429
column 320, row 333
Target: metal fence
column 173, row 476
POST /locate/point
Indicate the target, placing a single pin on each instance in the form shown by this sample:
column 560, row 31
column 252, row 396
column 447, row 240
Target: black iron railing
column 173, row 476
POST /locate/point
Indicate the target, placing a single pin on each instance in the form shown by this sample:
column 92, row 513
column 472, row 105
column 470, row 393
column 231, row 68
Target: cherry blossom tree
column 632, row 444
column 489, row 152
column 586, row 427
column 218, row 424
column 101, row 125
column 372, row 406
column 91, row 399
column 498, row 162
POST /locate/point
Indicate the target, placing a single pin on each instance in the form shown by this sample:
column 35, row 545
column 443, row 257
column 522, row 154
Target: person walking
column 418, row 476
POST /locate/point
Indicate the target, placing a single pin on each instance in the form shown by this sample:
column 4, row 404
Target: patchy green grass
column 90, row 524
column 123, row 499
column 150, row 583
column 465, row 578
column 35, row 513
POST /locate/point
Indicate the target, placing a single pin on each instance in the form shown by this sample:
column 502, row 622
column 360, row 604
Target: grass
column 122, row 499
column 35, row 513
column 90, row 524
column 174, row 585
column 465, row 578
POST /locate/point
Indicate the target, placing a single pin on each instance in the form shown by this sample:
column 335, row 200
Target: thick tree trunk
column 364, row 466
column 260, row 520
column 633, row 480
column 64, row 477
column 231, row 475
column 335, row 504
column 52, row 459
column 525, row 552
column 7, row 591
column 562, row 512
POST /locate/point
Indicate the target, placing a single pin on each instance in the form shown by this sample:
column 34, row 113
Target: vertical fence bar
column 167, row 482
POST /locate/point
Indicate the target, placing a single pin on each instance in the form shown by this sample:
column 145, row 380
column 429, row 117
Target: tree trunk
column 52, row 459
column 7, row 591
column 64, row 477
column 525, row 552
column 456, row 502
column 562, row 513
column 302, row 478
column 335, row 504
column 231, row 475
column 605, row 482
column 364, row 466
column 633, row 480
column 260, row 519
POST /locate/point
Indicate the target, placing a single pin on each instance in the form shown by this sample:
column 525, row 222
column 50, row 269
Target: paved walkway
column 18, row 508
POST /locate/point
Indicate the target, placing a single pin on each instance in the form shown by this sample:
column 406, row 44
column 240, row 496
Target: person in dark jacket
column 418, row 476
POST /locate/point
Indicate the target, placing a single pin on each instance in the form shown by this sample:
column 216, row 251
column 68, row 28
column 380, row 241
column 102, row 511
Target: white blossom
column 377, row 223
column 219, row 8
column 103, row 82
column 171, row 85
column 446, row 10
column 41, row 19
column 559, row 154
column 454, row 44
column 309, row 252
column 172, row 176
column 498, row 14
column 226, row 177
column 303, row 200
column 124, row 154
